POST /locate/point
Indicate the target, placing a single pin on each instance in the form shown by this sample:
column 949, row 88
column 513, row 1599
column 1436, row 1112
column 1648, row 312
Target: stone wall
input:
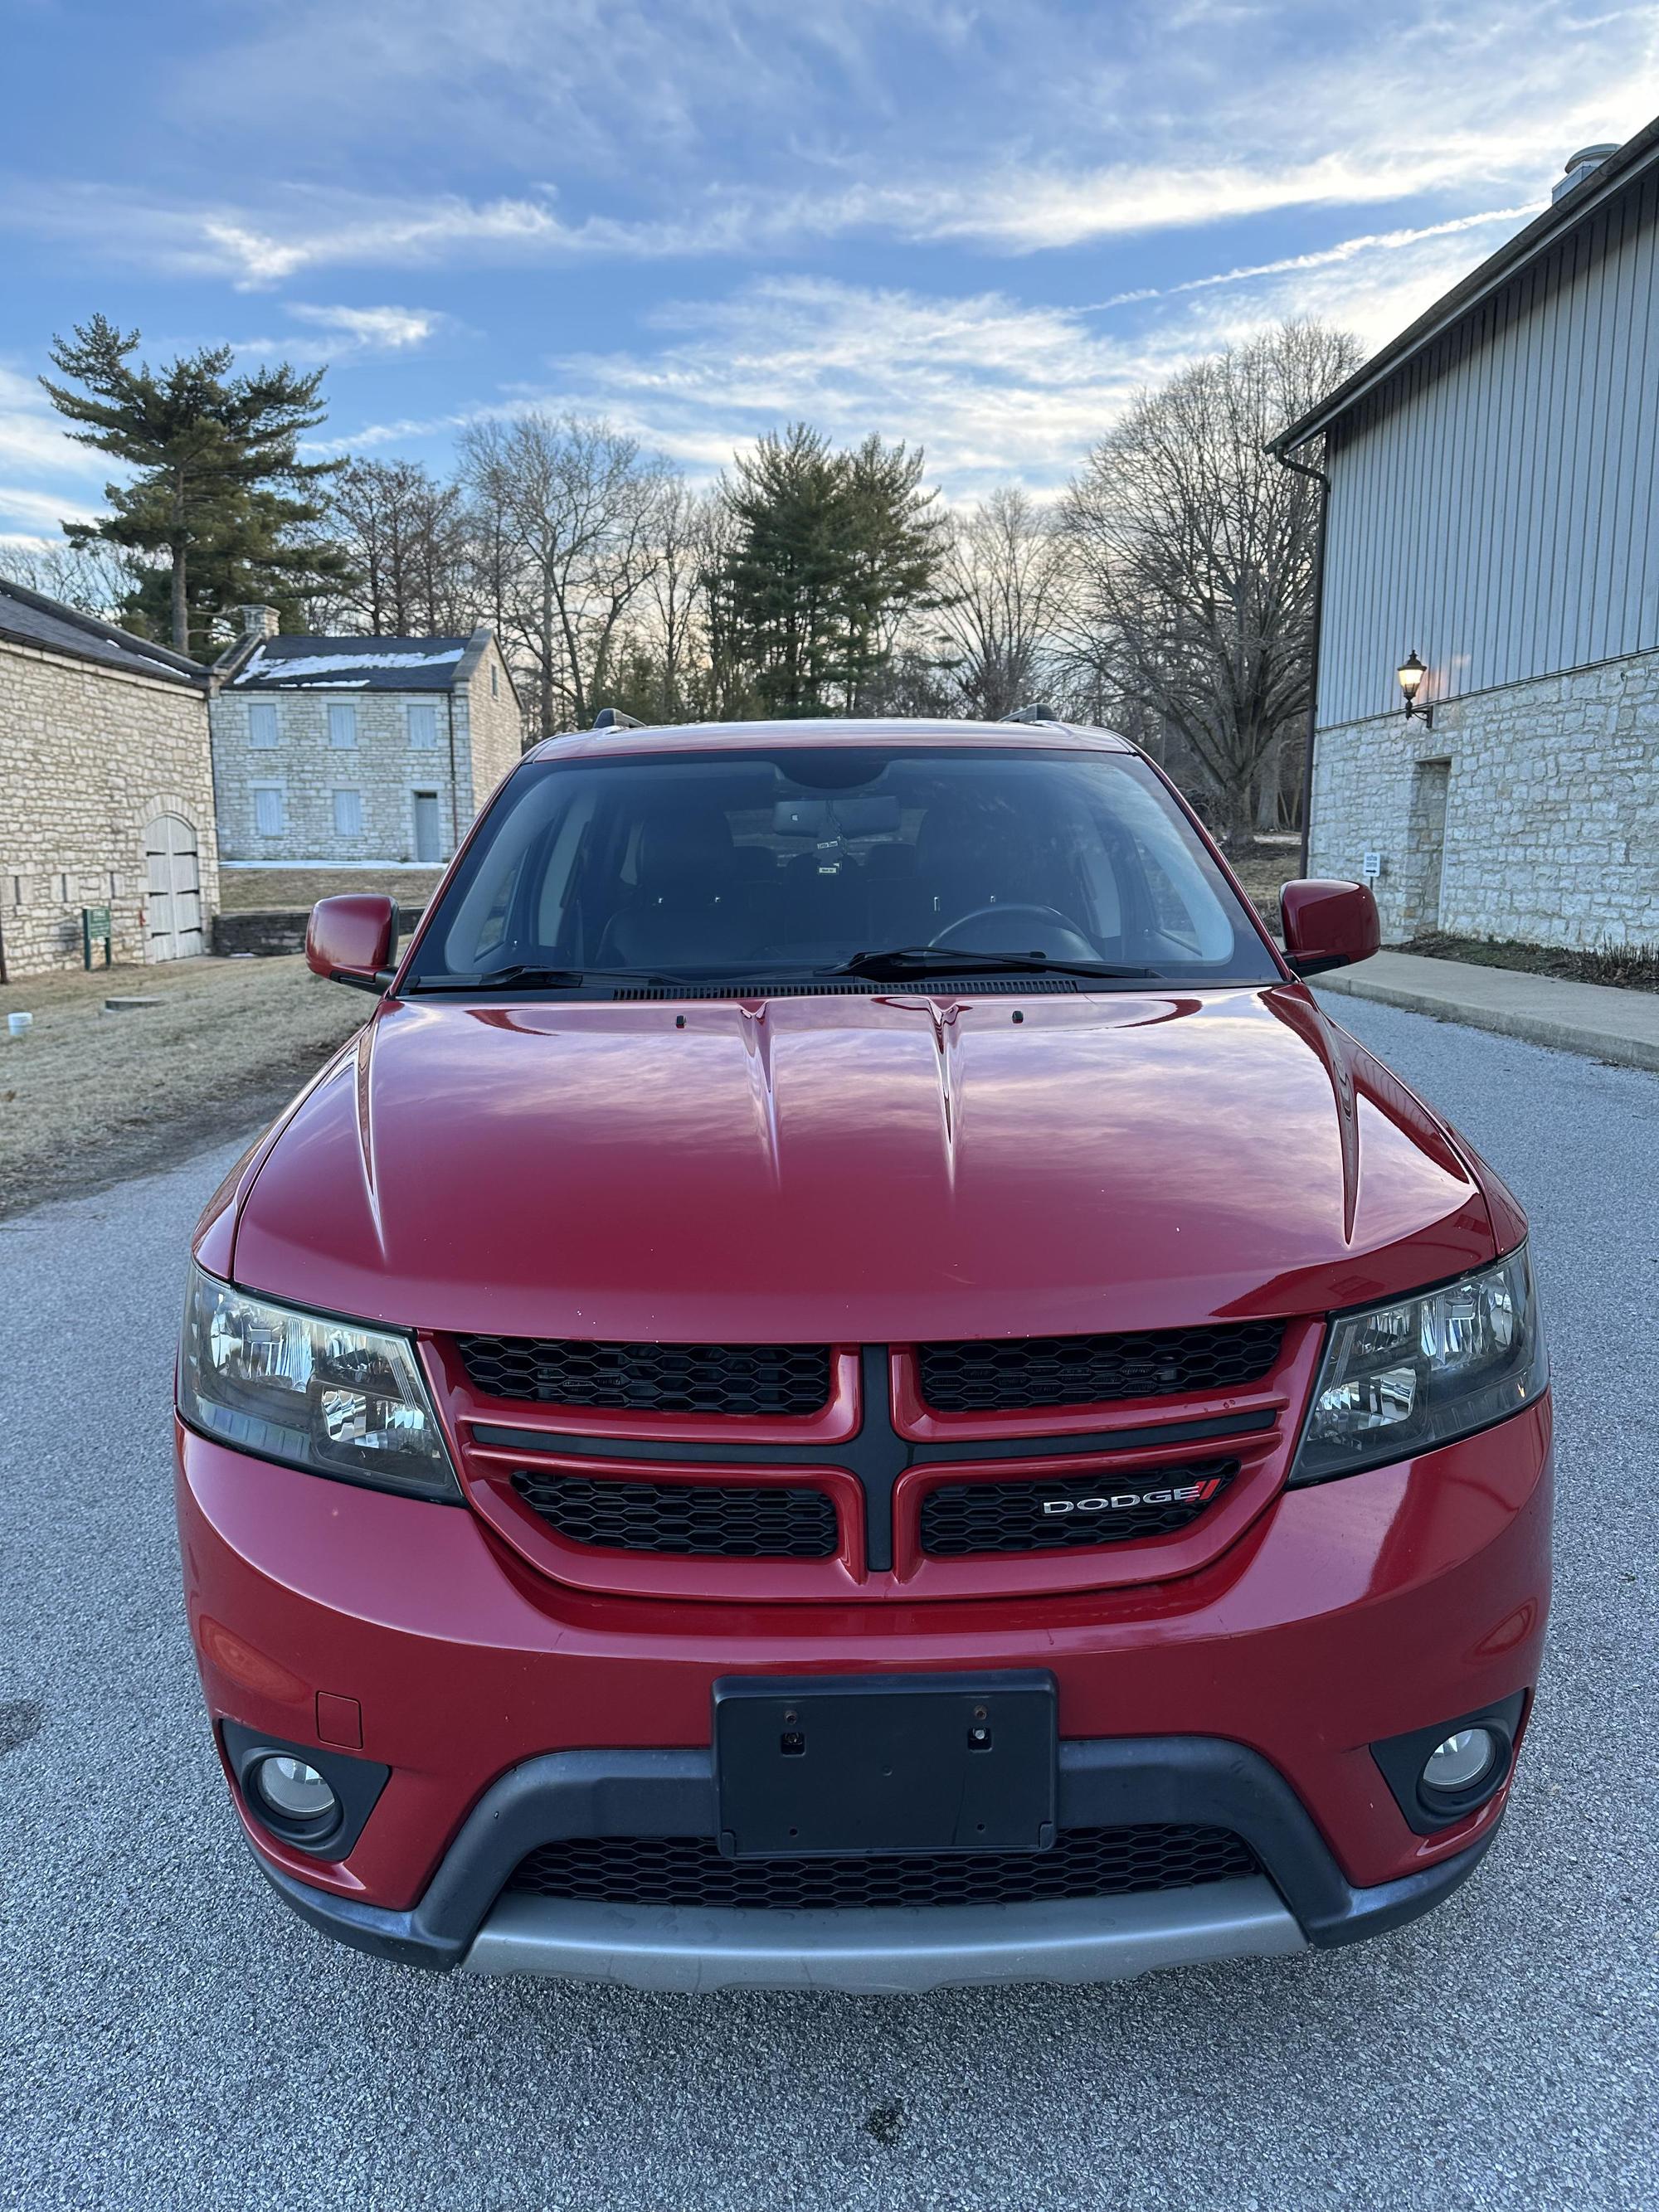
column 492, row 717
column 89, row 756
column 384, row 768
column 1550, row 793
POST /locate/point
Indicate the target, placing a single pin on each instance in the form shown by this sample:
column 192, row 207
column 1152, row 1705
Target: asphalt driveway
column 169, row 2037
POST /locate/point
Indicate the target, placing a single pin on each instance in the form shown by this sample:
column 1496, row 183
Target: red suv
column 850, row 1384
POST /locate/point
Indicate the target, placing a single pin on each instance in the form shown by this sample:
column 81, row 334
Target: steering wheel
column 1059, row 936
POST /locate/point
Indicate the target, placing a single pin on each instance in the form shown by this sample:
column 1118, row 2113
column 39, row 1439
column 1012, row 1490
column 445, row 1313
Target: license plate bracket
column 879, row 1766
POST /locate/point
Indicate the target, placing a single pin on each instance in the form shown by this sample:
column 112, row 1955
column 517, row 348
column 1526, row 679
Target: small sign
column 1372, row 867
column 95, row 923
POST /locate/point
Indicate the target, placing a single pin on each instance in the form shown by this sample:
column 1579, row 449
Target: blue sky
column 978, row 227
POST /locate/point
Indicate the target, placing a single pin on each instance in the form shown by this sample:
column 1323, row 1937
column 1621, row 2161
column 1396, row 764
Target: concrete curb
column 1623, row 1045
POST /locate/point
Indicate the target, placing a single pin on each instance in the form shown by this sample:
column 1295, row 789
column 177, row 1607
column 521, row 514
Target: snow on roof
column 380, row 664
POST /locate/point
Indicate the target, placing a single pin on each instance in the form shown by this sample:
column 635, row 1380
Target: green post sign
column 95, row 923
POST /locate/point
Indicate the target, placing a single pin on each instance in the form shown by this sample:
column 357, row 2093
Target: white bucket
column 19, row 1025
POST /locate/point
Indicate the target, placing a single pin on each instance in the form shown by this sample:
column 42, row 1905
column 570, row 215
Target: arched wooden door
column 173, row 906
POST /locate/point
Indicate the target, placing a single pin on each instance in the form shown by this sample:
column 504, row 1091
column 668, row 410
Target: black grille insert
column 995, row 1375
column 696, row 1520
column 1066, row 1512
column 657, row 1378
column 690, row 1870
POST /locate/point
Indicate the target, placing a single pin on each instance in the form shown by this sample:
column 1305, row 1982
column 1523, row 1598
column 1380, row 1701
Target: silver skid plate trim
column 892, row 1950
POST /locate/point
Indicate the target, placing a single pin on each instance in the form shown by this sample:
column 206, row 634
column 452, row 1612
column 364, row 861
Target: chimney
column 258, row 621
column 1582, row 164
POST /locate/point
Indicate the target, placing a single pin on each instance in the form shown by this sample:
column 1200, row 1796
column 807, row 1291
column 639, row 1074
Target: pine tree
column 827, row 553
column 219, row 492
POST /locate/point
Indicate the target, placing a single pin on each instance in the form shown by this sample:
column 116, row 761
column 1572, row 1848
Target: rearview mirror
column 1327, row 925
column 350, row 939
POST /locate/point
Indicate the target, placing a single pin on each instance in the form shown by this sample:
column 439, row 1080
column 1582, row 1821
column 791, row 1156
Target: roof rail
column 612, row 718
column 1036, row 714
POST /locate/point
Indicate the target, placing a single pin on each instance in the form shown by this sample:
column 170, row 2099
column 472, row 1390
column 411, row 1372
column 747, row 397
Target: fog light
column 294, row 1790
column 1460, row 1761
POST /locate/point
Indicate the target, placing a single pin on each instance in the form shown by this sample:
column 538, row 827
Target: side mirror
column 1327, row 925
column 350, row 940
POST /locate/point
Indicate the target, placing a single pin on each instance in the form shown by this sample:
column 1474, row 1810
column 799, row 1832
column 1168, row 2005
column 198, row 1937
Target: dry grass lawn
column 246, row 889
column 89, row 1097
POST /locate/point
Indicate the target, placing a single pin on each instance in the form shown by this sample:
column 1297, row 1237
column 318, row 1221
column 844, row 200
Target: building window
column 17, row 891
column 343, row 727
column 63, row 888
column 267, row 810
column 423, row 726
column 348, row 814
column 261, row 724
column 493, row 685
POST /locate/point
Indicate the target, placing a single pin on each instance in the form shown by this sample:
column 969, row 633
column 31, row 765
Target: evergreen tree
column 219, row 488
column 826, row 553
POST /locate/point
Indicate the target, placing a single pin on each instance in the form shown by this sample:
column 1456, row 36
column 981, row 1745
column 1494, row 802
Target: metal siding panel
column 1606, row 605
column 1588, row 426
column 1640, row 483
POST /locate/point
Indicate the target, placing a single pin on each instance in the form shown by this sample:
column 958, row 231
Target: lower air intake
column 691, row 1870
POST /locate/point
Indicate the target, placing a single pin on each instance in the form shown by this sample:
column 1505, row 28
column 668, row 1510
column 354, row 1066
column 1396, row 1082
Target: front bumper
column 1346, row 1614
column 465, row 1921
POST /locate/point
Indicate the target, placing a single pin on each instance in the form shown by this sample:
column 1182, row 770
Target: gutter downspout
column 455, row 801
column 1306, row 469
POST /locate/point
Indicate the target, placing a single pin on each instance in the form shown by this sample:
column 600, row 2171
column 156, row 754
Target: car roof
column 743, row 737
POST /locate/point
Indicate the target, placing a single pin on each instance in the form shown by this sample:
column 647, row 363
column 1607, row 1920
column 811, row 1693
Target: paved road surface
column 171, row 2037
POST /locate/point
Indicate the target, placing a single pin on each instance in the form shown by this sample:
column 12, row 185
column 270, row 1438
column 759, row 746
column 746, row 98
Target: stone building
column 106, row 790
column 1494, row 482
column 334, row 750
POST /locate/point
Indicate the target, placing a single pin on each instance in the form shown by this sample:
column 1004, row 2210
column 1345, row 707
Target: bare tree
column 405, row 536
column 1193, row 554
column 999, row 585
column 96, row 579
column 575, row 506
column 674, row 600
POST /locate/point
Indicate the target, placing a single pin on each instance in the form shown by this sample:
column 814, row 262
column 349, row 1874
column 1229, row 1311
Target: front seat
column 688, row 910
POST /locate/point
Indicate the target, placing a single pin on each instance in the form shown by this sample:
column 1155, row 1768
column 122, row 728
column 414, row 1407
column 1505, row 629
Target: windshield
column 841, row 859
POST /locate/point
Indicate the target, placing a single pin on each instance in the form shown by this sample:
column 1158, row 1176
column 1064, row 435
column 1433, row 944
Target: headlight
column 1405, row 1377
column 329, row 1396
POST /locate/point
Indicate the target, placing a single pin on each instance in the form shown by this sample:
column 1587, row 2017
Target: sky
column 981, row 229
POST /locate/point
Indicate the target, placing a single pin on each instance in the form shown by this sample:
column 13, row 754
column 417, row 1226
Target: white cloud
column 349, row 332
column 41, row 510
column 729, row 127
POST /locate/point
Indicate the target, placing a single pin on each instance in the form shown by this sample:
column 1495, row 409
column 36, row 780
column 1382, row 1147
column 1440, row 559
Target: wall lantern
column 1412, row 672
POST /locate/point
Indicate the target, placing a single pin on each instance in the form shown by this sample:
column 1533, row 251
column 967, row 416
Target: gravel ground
column 172, row 2038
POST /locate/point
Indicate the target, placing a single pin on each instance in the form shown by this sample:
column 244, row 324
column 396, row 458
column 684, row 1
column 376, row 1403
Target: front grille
column 657, row 1378
column 690, row 1870
column 994, row 1375
column 1050, row 1514
column 696, row 1520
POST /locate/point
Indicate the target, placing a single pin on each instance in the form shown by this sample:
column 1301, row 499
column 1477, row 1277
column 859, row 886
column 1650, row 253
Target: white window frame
column 263, row 726
column 270, row 791
column 353, row 792
column 342, row 715
column 422, row 713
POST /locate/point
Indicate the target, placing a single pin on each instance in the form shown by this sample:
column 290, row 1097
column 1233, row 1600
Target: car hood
column 855, row 1169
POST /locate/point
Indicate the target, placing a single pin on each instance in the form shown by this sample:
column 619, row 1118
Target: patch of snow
column 282, row 670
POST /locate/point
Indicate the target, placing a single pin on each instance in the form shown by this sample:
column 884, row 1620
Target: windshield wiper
column 902, row 960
